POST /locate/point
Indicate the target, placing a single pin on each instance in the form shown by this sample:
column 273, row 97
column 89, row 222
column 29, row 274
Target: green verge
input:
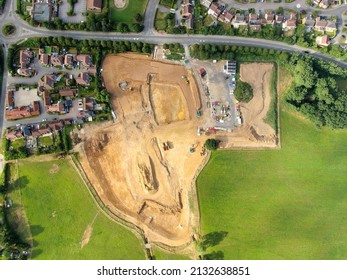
column 127, row 14
column 161, row 255
column 58, row 220
column 279, row 204
column 271, row 117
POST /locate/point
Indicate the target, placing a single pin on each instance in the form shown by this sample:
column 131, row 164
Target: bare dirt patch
column 54, row 169
column 126, row 162
column 86, row 236
column 258, row 75
column 120, row 4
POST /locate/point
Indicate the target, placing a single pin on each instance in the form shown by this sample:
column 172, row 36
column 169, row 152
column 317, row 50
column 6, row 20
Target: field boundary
column 104, row 209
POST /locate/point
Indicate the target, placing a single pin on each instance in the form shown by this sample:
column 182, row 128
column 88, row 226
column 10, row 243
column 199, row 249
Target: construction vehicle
column 198, row 113
column 165, row 146
column 191, row 149
column 185, row 79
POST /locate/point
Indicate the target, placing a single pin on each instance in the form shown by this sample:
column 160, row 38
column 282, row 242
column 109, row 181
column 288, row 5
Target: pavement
column 149, row 35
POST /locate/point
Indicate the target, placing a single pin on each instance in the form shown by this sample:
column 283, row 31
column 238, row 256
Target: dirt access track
column 126, row 163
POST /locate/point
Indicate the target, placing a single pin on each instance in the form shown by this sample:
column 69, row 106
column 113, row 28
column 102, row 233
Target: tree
column 304, row 74
column 211, row 144
column 138, row 17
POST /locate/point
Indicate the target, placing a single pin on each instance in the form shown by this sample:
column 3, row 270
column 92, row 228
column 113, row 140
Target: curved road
column 149, row 35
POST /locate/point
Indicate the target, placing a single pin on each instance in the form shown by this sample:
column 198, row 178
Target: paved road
column 149, row 35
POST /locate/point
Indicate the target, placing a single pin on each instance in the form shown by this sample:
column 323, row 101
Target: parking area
column 220, row 104
column 25, row 97
column 79, row 10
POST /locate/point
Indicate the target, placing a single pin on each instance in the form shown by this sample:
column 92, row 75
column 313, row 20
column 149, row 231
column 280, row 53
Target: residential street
column 149, row 35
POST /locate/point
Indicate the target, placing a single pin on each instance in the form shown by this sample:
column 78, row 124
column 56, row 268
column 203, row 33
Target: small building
column 49, row 81
column 290, row 24
column 84, row 59
column 214, row 10
column 14, row 134
column 23, row 112
column 10, row 99
column 279, row 19
column 88, row 104
column 239, row 20
column 320, row 24
column 46, row 99
column 42, row 10
column 83, row 79
column 323, row 41
column 68, row 60
column 324, row 4
column 331, row 26
column 57, row 60
column 309, row 23
column 25, row 72
column 67, row 92
column 94, row 5
column 44, row 59
column 187, row 11
column 56, row 108
column 270, row 18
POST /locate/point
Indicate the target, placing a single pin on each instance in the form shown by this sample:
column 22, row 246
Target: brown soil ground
column 258, row 75
column 125, row 161
column 54, row 169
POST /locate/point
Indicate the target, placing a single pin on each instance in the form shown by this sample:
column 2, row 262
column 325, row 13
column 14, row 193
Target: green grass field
column 284, row 204
column 46, row 140
column 58, row 219
column 18, row 143
column 127, row 14
column 161, row 255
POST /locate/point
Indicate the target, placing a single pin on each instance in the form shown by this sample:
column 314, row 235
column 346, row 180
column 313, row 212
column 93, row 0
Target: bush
column 211, row 144
column 243, row 92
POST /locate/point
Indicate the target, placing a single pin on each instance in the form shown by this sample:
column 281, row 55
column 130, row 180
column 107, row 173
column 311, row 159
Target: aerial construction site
column 144, row 165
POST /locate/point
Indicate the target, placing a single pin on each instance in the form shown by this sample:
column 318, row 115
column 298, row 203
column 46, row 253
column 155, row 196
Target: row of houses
column 35, row 131
column 319, row 24
column 65, row 60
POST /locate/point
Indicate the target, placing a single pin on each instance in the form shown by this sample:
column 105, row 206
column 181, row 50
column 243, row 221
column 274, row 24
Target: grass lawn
column 161, row 255
column 160, row 20
column 284, row 204
column 46, row 140
column 60, row 209
column 18, row 143
column 127, row 14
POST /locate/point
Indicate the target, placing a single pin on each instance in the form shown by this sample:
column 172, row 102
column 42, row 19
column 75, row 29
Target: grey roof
column 41, row 12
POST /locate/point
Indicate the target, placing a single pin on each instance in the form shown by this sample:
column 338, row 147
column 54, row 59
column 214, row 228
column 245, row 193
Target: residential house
column 323, row 41
column 83, row 79
column 187, row 11
column 270, row 18
column 239, row 20
column 13, row 134
column 316, row 2
column 214, row 10
column 44, row 59
column 42, row 10
column 46, row 99
column 25, row 57
column 226, row 17
column 57, row 60
column 331, row 26
column 94, row 5
column 309, row 23
column 324, row 4
column 290, row 23
column 56, row 126
column 84, row 59
column 67, row 92
column 88, row 104
column 206, row 3
column 56, row 108
column 187, row 2
column 253, row 22
column 49, row 81
column 68, row 60
column 10, row 99
column 320, row 24
column 23, row 112
column 279, row 19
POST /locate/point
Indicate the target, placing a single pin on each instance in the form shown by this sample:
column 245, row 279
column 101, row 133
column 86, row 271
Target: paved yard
column 79, row 9
column 24, row 97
